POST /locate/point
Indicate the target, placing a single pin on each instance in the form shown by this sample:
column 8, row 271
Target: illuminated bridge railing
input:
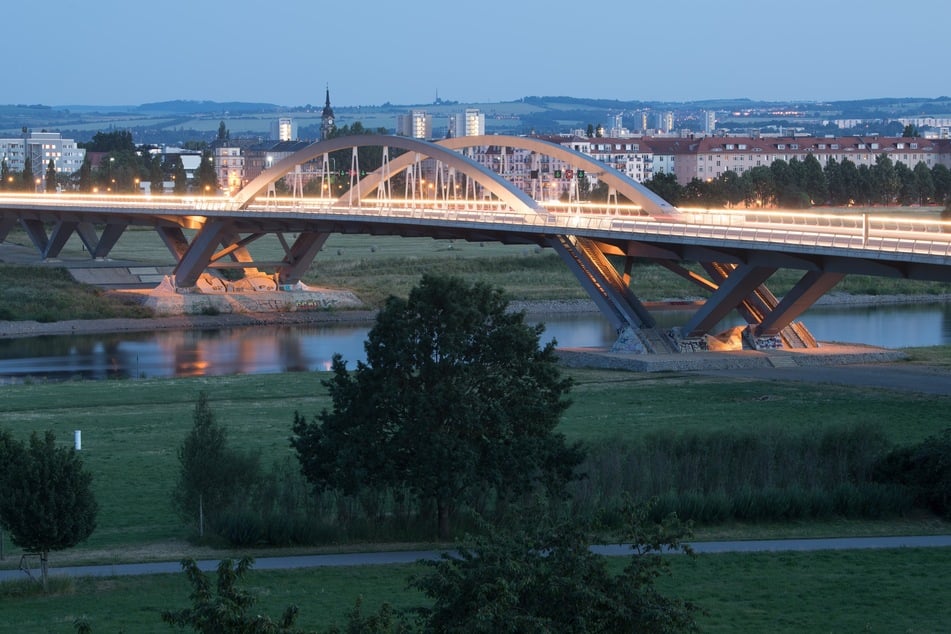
column 852, row 232
column 865, row 232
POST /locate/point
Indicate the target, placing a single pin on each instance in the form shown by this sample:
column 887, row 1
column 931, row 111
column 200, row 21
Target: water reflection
column 272, row 349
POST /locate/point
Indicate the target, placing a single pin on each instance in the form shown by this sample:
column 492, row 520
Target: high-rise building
column 709, row 121
column 284, row 129
column 469, row 123
column 417, row 124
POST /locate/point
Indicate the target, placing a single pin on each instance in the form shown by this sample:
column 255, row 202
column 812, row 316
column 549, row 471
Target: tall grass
column 767, row 475
column 47, row 294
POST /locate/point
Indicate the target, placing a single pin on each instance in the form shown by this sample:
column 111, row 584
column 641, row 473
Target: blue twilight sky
column 120, row 52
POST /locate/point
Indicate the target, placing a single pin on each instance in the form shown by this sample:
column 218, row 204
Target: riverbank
column 17, row 329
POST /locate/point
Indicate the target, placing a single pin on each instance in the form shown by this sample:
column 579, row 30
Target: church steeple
column 326, row 119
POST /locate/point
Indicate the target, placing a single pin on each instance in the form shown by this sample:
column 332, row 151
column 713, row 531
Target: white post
column 78, row 440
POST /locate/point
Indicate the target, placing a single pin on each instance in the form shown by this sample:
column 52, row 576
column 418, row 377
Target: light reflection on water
column 272, row 349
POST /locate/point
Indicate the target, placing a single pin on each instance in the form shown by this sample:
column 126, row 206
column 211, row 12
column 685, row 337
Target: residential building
column 41, row 147
column 284, row 129
column 417, row 124
column 470, row 123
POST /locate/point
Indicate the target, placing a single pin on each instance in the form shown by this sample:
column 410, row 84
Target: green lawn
column 131, row 429
column 903, row 590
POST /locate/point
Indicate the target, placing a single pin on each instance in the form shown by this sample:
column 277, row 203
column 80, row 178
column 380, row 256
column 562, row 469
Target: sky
column 117, row 52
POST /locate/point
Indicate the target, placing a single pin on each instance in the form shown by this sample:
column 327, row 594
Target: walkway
column 411, row 556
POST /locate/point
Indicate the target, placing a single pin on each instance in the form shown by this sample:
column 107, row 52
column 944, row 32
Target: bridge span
column 438, row 190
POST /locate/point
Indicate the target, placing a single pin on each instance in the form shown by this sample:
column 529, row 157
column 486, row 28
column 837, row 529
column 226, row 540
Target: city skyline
column 116, row 53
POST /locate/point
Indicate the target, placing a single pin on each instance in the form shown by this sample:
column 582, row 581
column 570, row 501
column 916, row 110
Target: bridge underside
column 732, row 279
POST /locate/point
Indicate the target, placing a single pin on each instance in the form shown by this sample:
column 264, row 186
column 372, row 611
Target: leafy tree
column 223, row 134
column 910, row 130
column 758, row 187
column 86, row 182
column 26, row 176
column 51, row 176
column 813, row 180
column 925, row 468
column 730, row 188
column 546, row 579
column 46, row 499
column 226, row 609
column 456, row 396
column 156, row 175
column 114, row 141
column 941, row 177
column 5, row 176
column 884, row 179
column 212, row 475
column 207, row 176
column 665, row 186
column 908, row 193
column 924, row 183
column 179, row 176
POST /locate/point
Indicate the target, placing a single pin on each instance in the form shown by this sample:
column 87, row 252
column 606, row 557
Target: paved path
column 889, row 376
column 410, row 556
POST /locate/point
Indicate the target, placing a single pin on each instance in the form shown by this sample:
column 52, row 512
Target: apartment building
column 41, row 147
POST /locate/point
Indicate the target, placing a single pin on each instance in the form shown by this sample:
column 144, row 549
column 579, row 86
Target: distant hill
column 177, row 121
column 207, row 107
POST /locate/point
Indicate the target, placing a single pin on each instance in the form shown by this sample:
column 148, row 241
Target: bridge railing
column 864, row 231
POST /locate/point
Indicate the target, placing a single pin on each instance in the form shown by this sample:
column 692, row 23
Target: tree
column 26, row 176
column 179, row 176
column 666, row 186
column 814, row 180
column 910, row 130
column 758, row 187
column 46, row 499
column 223, row 134
column 86, row 182
column 925, row 468
column 207, row 176
column 924, row 183
column 6, row 177
column 941, row 177
column 51, row 176
column 212, row 475
column 227, row 609
column 115, row 141
column 456, row 396
column 884, row 179
column 542, row 577
column 156, row 175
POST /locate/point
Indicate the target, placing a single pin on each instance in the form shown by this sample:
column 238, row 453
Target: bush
column 925, row 468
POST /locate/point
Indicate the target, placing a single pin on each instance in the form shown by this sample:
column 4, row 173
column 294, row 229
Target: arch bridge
column 439, row 190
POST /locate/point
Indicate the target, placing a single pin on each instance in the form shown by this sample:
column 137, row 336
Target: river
column 272, row 349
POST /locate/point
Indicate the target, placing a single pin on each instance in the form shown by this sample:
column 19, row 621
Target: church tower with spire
column 326, row 119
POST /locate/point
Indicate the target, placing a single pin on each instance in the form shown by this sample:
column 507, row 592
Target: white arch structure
column 498, row 186
column 739, row 287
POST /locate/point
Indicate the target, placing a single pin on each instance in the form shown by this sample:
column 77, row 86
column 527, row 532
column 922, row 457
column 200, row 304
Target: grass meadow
column 894, row 590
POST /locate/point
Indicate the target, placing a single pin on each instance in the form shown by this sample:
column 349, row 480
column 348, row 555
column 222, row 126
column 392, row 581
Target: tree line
column 800, row 184
column 122, row 168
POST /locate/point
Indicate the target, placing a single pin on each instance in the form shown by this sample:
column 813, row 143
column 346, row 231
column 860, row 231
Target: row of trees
column 121, row 170
column 799, row 184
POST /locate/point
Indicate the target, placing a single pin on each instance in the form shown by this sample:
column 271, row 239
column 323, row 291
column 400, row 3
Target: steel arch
column 485, row 177
column 623, row 184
